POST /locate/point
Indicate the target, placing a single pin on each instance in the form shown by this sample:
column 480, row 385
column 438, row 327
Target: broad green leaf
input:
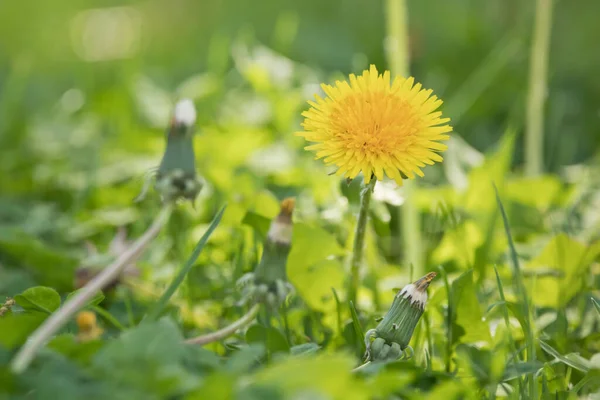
column 540, row 192
column 310, row 245
column 459, row 244
column 323, row 376
column 309, row 268
column 272, row 338
column 305, row 349
column 218, row 386
column 39, row 298
column 571, row 259
column 451, row 390
column 15, row 328
column 149, row 357
column 258, row 222
column 70, row 347
column 54, row 268
column 245, row 358
column 467, row 311
column 315, row 282
column 480, row 194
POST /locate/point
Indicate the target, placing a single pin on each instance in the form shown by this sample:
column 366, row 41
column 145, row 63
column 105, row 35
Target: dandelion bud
column 394, row 332
column 185, row 113
column 176, row 175
column 87, row 325
column 277, row 246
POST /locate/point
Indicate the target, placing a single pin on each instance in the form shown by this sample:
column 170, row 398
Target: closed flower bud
column 268, row 283
column 394, row 332
column 176, row 177
column 277, row 247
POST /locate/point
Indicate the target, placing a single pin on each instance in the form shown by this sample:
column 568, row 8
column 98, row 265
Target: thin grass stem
column 228, row 330
column 521, row 292
column 185, row 269
column 57, row 320
column 398, row 58
column 538, row 76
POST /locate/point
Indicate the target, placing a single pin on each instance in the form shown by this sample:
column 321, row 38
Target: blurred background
column 87, row 87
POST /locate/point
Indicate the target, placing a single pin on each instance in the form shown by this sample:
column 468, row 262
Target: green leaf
column 460, row 244
column 466, row 310
column 39, row 298
column 310, row 245
column 94, row 301
column 70, row 347
column 571, row 258
column 54, row 268
column 309, row 269
column 150, row 357
column 322, row 376
column 180, row 277
column 258, row 222
column 245, row 358
column 273, row 339
column 480, row 194
column 572, row 360
column 514, row 371
column 315, row 283
column 540, row 192
column 305, row 348
column 15, row 328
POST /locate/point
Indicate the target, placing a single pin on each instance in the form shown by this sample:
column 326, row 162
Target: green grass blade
column 179, row 278
column 572, row 360
column 358, row 330
column 596, row 305
column 449, row 319
column 515, row 355
column 108, row 317
column 338, row 308
column 521, row 292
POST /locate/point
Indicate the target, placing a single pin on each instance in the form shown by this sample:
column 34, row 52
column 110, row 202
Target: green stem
column 108, row 317
column 538, row 74
column 360, row 367
column 397, row 37
column 398, row 57
column 359, row 239
column 411, row 230
column 228, row 330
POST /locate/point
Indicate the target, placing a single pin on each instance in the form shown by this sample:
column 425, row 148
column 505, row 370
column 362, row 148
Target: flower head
column 375, row 126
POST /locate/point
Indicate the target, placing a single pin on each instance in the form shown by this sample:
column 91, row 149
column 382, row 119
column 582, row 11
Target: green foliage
column 39, row 298
column 514, row 312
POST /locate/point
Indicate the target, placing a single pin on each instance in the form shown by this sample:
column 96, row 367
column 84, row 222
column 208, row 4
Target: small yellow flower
column 377, row 128
column 88, row 327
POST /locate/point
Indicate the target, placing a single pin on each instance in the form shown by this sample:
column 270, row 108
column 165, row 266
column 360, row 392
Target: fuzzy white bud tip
column 280, row 232
column 414, row 294
column 185, row 112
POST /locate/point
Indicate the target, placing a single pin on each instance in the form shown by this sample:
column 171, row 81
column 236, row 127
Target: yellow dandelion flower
column 377, row 128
